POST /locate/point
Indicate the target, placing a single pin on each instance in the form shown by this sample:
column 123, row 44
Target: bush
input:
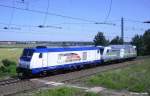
column 7, row 62
column 3, row 69
column 8, row 67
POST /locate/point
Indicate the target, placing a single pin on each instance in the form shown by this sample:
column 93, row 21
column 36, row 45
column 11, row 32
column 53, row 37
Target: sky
column 22, row 24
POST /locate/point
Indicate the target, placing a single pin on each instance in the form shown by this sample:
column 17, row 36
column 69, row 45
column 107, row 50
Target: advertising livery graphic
column 68, row 57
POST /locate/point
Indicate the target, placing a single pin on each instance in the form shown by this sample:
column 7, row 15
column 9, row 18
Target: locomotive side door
column 45, row 60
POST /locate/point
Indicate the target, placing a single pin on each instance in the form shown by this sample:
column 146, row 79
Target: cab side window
column 107, row 51
column 101, row 51
column 40, row 55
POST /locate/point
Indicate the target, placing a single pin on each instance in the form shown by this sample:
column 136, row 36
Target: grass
column 9, row 56
column 64, row 91
column 134, row 78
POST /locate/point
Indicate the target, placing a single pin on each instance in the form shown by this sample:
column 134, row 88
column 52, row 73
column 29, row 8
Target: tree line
column 142, row 42
column 101, row 40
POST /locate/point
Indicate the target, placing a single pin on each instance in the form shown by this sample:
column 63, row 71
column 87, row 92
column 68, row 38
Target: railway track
column 9, row 81
column 14, row 86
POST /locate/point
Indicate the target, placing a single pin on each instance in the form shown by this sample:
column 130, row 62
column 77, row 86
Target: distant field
column 10, row 53
column 17, row 45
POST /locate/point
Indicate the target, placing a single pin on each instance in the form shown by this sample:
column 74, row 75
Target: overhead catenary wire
column 109, row 11
column 76, row 23
column 131, row 20
column 24, row 2
column 22, row 32
column 132, row 28
column 45, row 33
column 47, row 26
column 11, row 17
column 19, row 27
column 47, row 9
column 58, row 15
column 48, row 13
column 34, row 33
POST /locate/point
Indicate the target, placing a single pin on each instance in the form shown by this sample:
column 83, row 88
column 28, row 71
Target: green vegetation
column 64, row 91
column 116, row 41
column 142, row 43
column 10, row 54
column 133, row 78
column 8, row 60
column 100, row 39
column 8, row 68
column 138, row 41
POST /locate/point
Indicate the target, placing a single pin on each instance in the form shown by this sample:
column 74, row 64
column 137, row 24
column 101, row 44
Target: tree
column 142, row 42
column 137, row 40
column 146, row 41
column 100, row 39
column 117, row 40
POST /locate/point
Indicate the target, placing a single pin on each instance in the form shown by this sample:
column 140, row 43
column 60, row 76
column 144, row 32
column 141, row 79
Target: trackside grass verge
column 134, row 78
column 12, row 54
column 64, row 91
column 8, row 61
column 8, row 68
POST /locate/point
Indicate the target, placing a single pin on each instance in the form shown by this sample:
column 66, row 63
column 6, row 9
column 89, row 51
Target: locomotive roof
column 121, row 46
column 63, row 49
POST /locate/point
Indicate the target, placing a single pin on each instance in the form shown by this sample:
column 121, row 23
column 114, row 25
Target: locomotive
column 43, row 60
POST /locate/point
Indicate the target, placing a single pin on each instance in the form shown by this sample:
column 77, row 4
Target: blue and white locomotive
column 42, row 60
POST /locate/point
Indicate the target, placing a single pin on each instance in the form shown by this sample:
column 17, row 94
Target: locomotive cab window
column 102, row 50
column 107, row 51
column 27, row 53
column 40, row 55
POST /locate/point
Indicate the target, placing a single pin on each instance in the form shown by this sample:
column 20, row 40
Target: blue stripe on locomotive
column 66, row 66
column 63, row 49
